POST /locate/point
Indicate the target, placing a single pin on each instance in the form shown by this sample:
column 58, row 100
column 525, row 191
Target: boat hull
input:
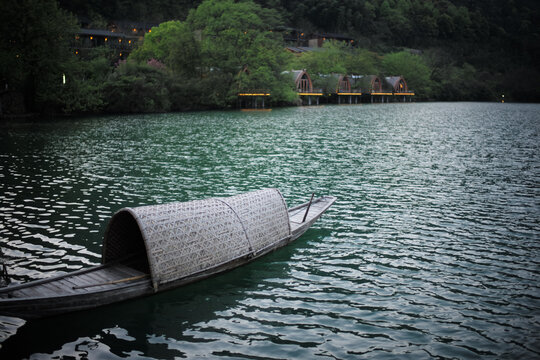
column 115, row 282
column 38, row 307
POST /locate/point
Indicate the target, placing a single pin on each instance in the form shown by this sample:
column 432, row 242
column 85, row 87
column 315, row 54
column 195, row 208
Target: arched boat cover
column 184, row 238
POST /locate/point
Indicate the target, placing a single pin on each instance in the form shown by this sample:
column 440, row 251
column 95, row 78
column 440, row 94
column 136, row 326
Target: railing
column 254, row 92
column 314, row 92
column 408, row 92
column 349, row 92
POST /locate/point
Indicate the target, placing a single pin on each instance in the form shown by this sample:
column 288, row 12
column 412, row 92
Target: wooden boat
column 150, row 249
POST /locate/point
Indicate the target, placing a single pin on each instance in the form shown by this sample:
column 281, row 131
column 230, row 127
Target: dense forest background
column 446, row 49
column 495, row 35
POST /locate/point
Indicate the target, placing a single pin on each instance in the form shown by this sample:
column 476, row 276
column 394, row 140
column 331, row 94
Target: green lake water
column 432, row 249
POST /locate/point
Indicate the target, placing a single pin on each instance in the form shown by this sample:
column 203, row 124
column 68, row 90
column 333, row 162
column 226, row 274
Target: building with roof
column 87, row 39
column 304, row 86
column 396, row 83
column 120, row 35
column 366, row 83
column 377, row 89
column 131, row 28
column 398, row 86
column 337, row 88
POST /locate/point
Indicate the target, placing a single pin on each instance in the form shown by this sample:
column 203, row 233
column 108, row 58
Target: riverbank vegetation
column 200, row 56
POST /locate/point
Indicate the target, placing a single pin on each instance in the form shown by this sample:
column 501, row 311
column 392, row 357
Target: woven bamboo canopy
column 186, row 238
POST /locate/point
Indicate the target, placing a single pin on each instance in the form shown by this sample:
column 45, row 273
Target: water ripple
column 430, row 252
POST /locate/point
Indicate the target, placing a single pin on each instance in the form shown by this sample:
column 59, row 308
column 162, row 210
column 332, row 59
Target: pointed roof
column 397, row 83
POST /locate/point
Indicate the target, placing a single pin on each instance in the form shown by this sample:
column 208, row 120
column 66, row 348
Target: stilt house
column 302, row 81
column 396, row 84
column 304, row 86
column 366, row 83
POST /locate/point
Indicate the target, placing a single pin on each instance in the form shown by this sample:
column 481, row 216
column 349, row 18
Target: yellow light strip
column 314, row 94
column 404, row 93
column 382, row 94
column 349, row 93
column 253, row 94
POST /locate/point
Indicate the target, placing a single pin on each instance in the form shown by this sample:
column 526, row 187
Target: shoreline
column 29, row 116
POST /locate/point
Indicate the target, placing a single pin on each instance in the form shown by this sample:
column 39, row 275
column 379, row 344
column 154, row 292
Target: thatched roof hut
column 333, row 83
column 396, row 84
column 343, row 83
column 366, row 83
column 302, row 81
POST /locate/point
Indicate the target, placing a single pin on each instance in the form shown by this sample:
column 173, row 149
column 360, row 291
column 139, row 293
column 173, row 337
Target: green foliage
column 135, row 10
column 413, row 68
column 84, row 90
column 361, row 61
column 454, row 82
column 337, row 57
column 135, row 88
column 330, row 59
column 173, row 44
column 228, row 30
column 469, row 51
column 216, row 16
column 265, row 60
column 34, row 49
column 236, row 36
column 497, row 38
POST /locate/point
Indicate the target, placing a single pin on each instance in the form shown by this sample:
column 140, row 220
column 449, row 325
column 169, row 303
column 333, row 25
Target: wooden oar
column 309, row 205
column 111, row 282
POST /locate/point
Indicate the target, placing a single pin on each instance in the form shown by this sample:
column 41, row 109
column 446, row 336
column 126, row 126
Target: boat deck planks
column 76, row 283
column 296, row 215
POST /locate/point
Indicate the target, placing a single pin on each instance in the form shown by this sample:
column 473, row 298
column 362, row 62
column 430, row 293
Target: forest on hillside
column 446, row 49
column 494, row 26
